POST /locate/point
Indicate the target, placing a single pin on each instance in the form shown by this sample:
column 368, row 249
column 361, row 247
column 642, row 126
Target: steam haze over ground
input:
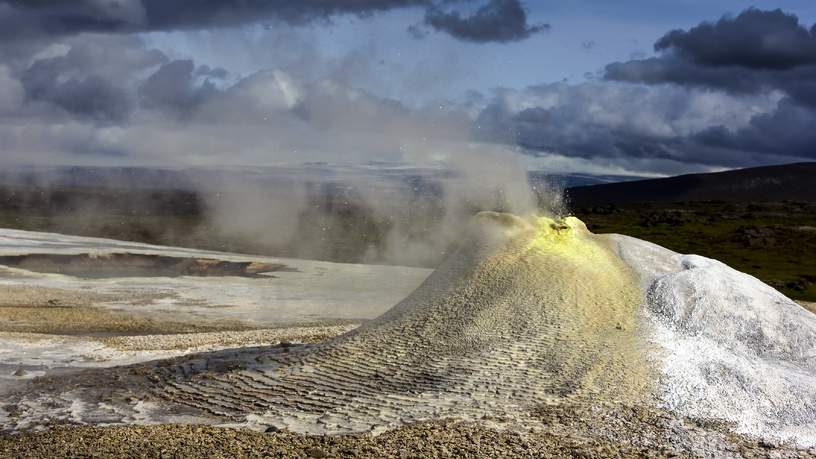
column 481, row 92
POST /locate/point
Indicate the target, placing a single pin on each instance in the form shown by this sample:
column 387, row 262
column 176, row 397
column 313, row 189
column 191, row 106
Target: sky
column 633, row 87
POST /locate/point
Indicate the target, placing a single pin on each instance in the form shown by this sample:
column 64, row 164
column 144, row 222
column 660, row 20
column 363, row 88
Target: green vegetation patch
column 776, row 242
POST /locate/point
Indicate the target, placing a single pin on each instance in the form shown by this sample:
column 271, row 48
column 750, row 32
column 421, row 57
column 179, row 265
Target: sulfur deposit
column 528, row 313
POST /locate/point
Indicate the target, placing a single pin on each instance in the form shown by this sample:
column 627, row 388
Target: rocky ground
column 597, row 431
column 56, row 311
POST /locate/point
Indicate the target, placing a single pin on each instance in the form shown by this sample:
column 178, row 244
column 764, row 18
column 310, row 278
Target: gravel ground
column 95, row 321
column 68, row 312
column 568, row 431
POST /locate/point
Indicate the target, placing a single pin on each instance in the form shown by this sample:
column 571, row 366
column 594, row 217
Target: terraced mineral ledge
column 534, row 327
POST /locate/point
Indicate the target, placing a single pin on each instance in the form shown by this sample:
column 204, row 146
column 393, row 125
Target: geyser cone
column 527, row 311
column 542, row 305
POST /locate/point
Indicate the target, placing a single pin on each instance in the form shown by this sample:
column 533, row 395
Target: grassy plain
column 775, row 241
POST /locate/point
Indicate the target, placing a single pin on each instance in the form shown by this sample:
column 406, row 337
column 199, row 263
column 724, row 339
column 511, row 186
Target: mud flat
column 145, row 289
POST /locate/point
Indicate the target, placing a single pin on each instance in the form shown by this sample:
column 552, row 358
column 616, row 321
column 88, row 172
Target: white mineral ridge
column 730, row 347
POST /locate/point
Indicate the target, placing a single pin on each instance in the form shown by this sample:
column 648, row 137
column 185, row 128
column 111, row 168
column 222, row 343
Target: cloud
column 99, row 98
column 787, row 131
column 770, row 40
column 54, row 17
column 624, row 123
column 92, row 98
column 753, row 52
column 496, row 21
column 85, row 77
column 173, row 87
column 216, row 73
column 139, row 107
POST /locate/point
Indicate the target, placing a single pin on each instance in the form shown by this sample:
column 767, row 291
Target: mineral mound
column 528, row 312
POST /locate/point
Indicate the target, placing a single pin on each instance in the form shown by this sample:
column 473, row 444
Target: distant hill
column 576, row 180
column 789, row 182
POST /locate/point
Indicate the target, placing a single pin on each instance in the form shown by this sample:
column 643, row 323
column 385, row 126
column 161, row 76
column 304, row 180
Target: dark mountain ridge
column 789, row 182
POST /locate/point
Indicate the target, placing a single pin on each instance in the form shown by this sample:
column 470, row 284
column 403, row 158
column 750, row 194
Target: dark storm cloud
column 84, row 77
column 180, row 14
column 173, row 87
column 665, row 128
column 755, row 51
column 541, row 129
column 57, row 17
column 498, row 20
column 91, row 97
column 217, row 73
column 787, row 131
column 83, row 82
column 755, row 39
